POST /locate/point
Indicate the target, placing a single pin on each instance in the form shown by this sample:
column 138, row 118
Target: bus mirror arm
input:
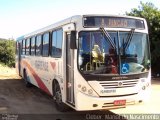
column 73, row 40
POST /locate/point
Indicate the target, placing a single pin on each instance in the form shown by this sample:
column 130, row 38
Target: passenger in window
column 111, row 62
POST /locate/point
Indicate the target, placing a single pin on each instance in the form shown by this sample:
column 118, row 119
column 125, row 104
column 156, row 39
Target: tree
column 7, row 52
column 152, row 16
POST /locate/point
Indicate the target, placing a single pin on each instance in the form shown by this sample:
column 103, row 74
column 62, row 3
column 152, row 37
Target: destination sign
column 113, row 22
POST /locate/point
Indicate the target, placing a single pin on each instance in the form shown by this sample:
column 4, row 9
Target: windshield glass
column 97, row 55
column 134, row 54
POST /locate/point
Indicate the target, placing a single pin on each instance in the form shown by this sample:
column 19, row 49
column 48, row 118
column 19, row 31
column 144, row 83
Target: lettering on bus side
column 41, row 65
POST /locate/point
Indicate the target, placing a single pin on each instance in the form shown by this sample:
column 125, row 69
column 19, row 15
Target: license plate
column 120, row 102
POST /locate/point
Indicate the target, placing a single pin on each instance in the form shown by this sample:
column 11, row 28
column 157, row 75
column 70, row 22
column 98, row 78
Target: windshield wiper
column 107, row 36
column 128, row 39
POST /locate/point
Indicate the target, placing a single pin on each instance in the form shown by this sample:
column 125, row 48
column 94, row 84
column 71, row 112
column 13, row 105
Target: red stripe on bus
column 53, row 64
column 37, row 78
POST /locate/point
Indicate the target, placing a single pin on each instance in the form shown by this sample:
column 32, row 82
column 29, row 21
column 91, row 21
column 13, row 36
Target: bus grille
column 118, row 84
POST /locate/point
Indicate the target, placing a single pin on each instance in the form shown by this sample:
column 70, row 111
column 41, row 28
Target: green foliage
column 7, row 52
column 152, row 15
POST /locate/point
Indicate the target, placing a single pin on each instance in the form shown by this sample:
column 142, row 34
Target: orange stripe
column 37, row 78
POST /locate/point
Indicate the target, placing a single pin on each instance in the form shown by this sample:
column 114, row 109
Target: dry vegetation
column 7, row 73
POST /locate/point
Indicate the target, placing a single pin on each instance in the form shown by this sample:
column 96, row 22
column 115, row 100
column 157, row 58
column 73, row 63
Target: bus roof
column 50, row 27
column 67, row 21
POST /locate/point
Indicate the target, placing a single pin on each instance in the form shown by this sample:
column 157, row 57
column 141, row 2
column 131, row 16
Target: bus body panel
column 77, row 92
column 105, row 100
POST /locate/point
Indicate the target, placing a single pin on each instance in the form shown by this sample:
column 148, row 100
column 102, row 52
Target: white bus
column 88, row 62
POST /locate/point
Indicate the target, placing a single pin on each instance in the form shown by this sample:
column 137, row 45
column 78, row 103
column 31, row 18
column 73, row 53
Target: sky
column 19, row 17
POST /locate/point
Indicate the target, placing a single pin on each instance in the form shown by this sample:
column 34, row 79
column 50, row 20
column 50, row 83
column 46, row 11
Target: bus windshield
column 130, row 54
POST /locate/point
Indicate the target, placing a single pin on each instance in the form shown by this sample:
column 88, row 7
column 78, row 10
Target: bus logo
column 120, row 84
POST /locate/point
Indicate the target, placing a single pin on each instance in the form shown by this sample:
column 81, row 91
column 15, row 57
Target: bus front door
column 69, row 71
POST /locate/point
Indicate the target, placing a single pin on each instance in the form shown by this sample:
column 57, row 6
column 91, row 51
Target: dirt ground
column 20, row 103
column 6, row 73
column 16, row 98
column 33, row 104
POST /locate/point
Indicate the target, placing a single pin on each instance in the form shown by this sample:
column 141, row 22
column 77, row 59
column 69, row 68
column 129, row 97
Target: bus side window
column 33, row 46
column 38, row 45
column 57, row 39
column 28, row 46
column 45, row 50
column 17, row 47
column 59, row 42
column 23, row 48
column 54, row 40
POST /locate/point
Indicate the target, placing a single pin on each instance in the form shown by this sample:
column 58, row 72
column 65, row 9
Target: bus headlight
column 144, row 87
column 90, row 91
column 145, row 83
column 79, row 86
column 86, row 90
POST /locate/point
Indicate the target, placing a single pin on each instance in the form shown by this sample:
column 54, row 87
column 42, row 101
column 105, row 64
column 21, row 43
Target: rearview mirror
column 73, row 40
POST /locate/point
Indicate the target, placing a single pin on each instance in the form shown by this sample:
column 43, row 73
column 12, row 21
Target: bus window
column 33, row 46
column 28, row 46
column 57, row 39
column 23, row 47
column 45, row 51
column 54, row 36
column 59, row 42
column 38, row 45
column 17, row 47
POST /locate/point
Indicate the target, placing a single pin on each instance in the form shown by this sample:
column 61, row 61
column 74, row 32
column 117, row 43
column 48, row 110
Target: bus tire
column 27, row 84
column 57, row 96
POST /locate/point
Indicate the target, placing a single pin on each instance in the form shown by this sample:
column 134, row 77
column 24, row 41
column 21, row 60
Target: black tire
column 60, row 106
column 27, row 84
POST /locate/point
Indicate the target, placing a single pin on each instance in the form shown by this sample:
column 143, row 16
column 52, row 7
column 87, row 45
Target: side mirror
column 73, row 40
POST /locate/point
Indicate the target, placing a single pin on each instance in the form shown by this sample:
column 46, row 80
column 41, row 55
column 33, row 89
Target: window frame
column 32, row 38
column 43, row 36
column 29, row 46
column 23, row 52
column 40, row 46
column 55, row 55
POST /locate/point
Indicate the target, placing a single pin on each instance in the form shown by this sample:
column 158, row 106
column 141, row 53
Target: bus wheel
column 58, row 99
column 27, row 84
